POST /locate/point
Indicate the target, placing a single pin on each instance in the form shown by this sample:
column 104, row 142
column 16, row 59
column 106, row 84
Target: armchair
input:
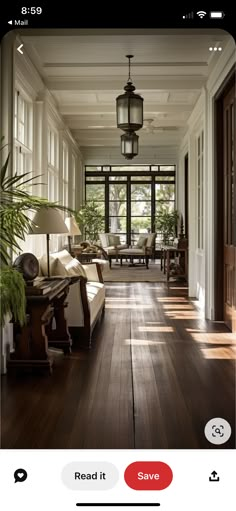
column 111, row 243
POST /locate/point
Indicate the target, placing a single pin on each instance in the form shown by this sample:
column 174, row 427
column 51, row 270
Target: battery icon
column 217, row 14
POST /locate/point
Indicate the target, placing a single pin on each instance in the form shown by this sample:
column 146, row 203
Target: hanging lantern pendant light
column 129, row 144
column 129, row 107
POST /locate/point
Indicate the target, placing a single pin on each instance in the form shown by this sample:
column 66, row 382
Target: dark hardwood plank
column 156, row 374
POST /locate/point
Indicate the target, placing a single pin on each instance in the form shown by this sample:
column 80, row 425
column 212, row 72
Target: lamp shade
column 129, row 145
column 129, row 107
column 48, row 221
column 72, row 226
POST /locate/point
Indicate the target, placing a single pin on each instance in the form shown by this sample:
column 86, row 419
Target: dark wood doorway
column 229, row 209
column 225, row 297
column 186, row 194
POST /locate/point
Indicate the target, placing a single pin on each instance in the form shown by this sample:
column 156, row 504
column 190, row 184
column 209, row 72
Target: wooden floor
column 157, row 373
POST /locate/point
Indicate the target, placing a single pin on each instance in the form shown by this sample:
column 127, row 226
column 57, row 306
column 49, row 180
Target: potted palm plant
column 166, row 223
column 91, row 220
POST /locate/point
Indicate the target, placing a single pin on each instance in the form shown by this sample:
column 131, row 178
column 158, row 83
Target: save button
column 148, row 475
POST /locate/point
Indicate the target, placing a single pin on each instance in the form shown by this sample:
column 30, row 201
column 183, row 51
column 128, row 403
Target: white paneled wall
column 201, row 261
column 45, row 114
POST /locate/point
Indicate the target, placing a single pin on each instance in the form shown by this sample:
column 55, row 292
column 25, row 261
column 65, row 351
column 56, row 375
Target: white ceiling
column 85, row 70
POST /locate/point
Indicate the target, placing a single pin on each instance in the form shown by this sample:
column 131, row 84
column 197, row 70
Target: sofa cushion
column 96, row 298
column 74, row 267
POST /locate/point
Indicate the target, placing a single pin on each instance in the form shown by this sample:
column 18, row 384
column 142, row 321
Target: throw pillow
column 113, row 240
column 63, row 255
column 55, row 265
column 141, row 243
column 74, row 267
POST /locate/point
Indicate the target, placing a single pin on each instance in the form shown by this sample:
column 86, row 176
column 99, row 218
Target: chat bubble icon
column 20, row 475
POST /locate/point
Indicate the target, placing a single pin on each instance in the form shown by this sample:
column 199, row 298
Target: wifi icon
column 201, row 14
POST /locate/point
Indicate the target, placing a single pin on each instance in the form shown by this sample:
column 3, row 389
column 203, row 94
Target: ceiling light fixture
column 129, row 107
column 129, row 144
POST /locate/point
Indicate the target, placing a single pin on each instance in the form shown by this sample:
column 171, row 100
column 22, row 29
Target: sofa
column 86, row 297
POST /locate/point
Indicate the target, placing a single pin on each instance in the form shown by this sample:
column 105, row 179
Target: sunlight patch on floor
column 142, row 342
column 172, row 299
column 156, row 329
column 182, row 314
column 183, row 288
column 219, row 353
column 180, row 306
column 215, row 338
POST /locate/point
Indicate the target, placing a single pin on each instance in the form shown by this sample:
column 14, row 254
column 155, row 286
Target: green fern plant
column 12, row 290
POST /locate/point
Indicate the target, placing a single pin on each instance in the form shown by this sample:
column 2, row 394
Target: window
column 200, row 194
column 73, row 182
column 53, row 170
column 23, row 134
column 131, row 197
column 65, row 177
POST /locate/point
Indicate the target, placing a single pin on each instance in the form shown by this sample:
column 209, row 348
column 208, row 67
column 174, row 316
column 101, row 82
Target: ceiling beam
column 150, row 83
column 149, row 108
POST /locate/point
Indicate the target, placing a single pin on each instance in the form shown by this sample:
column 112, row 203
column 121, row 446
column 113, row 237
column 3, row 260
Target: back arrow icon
column 19, row 49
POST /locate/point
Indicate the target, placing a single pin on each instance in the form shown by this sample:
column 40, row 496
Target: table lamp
column 73, row 229
column 48, row 221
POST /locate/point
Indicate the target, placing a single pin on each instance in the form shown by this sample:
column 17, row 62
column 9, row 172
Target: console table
column 166, row 252
column 44, row 303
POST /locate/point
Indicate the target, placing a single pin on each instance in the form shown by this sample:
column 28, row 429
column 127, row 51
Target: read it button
column 148, row 475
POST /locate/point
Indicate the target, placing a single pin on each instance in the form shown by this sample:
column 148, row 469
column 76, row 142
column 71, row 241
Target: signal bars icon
column 190, row 15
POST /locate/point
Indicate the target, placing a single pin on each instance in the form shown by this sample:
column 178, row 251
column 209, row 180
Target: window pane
column 143, row 178
column 125, row 168
column 162, row 207
column 99, row 205
column 117, row 208
column 165, row 191
column 117, row 191
column 95, row 192
column 117, row 224
column 140, row 192
column 167, row 168
column 93, row 169
column 164, row 178
column 141, row 208
column 140, row 224
column 95, row 178
column 117, row 178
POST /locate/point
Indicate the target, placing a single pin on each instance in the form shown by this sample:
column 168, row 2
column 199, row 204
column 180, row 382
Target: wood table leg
column 168, row 266
column 59, row 337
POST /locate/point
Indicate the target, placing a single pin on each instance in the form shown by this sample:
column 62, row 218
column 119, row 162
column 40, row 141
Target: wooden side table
column 32, row 341
column 166, row 252
column 86, row 257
